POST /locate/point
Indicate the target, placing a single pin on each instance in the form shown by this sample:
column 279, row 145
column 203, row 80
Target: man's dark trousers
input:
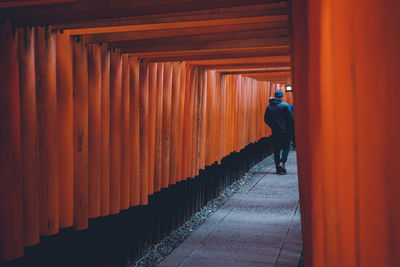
column 280, row 142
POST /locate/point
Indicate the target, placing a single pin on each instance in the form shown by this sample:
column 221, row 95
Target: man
column 293, row 135
column 279, row 118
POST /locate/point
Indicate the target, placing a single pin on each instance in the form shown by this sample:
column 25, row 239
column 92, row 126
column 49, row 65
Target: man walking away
column 279, row 118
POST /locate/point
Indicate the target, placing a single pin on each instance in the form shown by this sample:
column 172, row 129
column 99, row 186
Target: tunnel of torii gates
column 104, row 104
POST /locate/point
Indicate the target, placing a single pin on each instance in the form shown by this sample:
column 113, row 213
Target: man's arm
column 267, row 117
column 289, row 116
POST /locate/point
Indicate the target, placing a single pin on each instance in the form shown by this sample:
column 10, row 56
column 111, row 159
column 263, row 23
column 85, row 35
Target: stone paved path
column 258, row 226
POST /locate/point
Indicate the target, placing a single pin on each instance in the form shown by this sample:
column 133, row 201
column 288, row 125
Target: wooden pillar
column 197, row 122
column 105, row 132
column 187, row 128
column 346, row 59
column 167, row 95
column 181, row 124
column 193, row 118
column 65, row 103
column 94, row 139
column 29, row 137
column 210, row 117
column 47, row 120
column 125, row 140
column 11, row 189
column 228, row 125
column 144, row 131
column 152, row 122
column 158, row 127
column 173, row 156
column 134, row 144
column 223, row 117
column 115, row 130
column 203, row 118
column 81, row 152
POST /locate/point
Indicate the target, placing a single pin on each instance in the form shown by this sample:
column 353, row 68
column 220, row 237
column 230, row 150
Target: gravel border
column 158, row 252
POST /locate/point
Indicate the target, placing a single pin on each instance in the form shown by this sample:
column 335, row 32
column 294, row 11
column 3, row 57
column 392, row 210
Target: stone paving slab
column 258, row 226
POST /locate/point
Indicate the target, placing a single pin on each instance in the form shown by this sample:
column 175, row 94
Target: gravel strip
column 159, row 251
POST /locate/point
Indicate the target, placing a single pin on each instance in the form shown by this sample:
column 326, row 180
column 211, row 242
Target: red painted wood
column 134, row 156
column 181, row 125
column 11, row 189
column 125, row 140
column 81, row 145
column 187, row 129
column 144, row 131
column 29, row 136
column 173, row 156
column 115, row 130
column 45, row 57
column 94, row 118
column 166, row 139
column 65, row 106
column 158, row 127
column 105, row 132
column 152, row 122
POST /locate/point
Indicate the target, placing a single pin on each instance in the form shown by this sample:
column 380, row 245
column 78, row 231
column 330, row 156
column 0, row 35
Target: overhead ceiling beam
column 240, row 66
column 64, row 13
column 193, row 55
column 155, row 46
column 24, row 3
column 273, row 60
column 184, row 31
column 254, row 71
column 273, row 11
column 181, row 24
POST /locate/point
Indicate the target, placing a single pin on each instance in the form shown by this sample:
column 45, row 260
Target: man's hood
column 275, row 100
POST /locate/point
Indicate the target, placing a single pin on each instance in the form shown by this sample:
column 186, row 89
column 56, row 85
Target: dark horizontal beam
column 230, row 61
column 181, row 32
column 243, row 55
column 272, row 72
column 24, row 3
column 204, row 46
column 239, row 66
column 274, row 36
column 64, row 13
column 237, row 12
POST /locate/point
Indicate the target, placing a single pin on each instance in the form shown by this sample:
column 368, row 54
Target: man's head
column 278, row 93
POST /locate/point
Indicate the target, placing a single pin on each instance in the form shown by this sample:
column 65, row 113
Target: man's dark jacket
column 279, row 117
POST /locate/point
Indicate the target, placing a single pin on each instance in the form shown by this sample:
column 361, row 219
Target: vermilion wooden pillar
column 158, row 128
column 346, row 61
column 152, row 122
column 166, row 139
column 94, row 118
column 115, row 130
column 47, row 120
column 144, row 131
column 81, row 147
column 125, row 140
column 29, row 137
column 196, row 122
column 11, row 189
column 210, row 139
column 134, row 144
column 105, row 132
column 203, row 118
column 65, row 105
column 187, row 129
column 181, row 123
column 173, row 156
column 193, row 116
column 222, row 145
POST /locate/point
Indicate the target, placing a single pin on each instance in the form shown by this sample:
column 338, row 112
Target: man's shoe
column 280, row 170
column 283, row 170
